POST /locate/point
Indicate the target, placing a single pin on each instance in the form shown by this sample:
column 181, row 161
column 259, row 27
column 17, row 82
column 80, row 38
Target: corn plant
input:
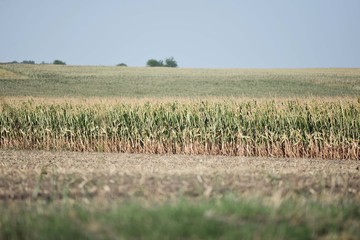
column 329, row 130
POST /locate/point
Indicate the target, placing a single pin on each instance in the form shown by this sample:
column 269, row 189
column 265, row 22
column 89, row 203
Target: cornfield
column 329, row 130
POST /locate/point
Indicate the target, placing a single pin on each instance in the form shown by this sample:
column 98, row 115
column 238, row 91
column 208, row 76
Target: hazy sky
column 197, row 33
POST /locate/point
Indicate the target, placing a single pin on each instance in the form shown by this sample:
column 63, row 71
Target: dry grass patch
column 8, row 74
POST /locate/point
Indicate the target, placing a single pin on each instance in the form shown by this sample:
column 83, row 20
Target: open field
column 95, row 81
column 98, row 195
column 130, row 153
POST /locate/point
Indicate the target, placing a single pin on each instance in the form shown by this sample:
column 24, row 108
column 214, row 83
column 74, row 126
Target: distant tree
column 170, row 62
column 14, row 62
column 154, row 63
column 59, row 62
column 121, row 65
column 28, row 62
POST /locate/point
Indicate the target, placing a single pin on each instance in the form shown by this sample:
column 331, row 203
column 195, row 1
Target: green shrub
column 154, row 63
column 59, row 62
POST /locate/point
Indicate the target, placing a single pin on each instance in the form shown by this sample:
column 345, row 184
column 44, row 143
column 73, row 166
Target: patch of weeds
column 218, row 218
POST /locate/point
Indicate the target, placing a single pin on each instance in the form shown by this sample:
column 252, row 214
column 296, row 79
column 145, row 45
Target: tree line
column 55, row 62
column 168, row 62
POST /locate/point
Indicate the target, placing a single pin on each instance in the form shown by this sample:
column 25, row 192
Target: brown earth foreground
column 42, row 175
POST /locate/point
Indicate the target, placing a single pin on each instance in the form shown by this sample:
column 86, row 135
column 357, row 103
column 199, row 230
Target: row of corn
column 329, row 130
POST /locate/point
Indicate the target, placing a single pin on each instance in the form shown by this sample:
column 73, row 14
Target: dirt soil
column 49, row 176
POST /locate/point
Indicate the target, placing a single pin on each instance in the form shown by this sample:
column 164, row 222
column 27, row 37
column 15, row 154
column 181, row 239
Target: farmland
column 113, row 82
column 100, row 195
column 286, row 129
column 101, row 152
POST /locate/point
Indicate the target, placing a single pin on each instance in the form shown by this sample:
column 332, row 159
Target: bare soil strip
column 44, row 175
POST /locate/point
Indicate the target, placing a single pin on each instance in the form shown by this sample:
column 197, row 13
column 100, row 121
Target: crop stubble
column 51, row 176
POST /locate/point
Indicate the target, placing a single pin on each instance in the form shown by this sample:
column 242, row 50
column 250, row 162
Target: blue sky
column 197, row 33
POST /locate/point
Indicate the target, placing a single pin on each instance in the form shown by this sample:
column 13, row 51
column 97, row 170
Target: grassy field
column 128, row 153
column 86, row 81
